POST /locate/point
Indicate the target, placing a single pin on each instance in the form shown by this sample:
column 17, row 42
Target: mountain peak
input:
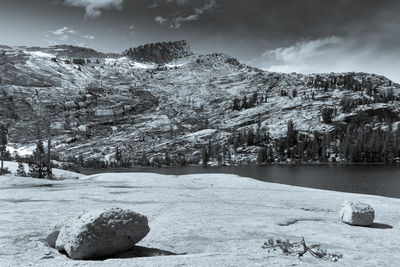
column 161, row 52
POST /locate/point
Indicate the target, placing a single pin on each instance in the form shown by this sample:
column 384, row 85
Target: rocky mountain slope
column 162, row 102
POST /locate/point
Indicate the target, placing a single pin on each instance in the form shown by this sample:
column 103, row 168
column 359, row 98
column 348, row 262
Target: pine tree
column 261, row 100
column 236, row 104
column 257, row 138
column 327, row 114
column 205, row 156
column 3, row 145
column 118, row 155
column 271, row 157
column 167, row 159
column 253, row 99
column 81, row 160
column 210, row 150
column 244, row 102
column 225, row 151
column 229, row 156
column 21, row 170
column 291, row 135
column 250, row 137
column 38, row 167
column 326, row 87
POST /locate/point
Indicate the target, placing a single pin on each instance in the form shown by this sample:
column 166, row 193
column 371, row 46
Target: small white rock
column 357, row 213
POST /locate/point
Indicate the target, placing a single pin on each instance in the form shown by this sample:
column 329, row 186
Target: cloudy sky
column 277, row 35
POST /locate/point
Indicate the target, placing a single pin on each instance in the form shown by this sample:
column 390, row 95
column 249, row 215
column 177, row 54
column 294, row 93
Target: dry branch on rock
column 300, row 248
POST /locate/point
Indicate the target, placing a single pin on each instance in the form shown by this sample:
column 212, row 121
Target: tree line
column 357, row 141
column 245, row 103
column 39, row 164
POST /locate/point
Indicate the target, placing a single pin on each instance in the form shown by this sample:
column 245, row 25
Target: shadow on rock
column 135, row 252
column 139, row 251
column 381, row 226
column 376, row 226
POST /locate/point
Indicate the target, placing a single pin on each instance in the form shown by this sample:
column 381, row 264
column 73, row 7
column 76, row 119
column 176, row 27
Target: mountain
column 162, row 104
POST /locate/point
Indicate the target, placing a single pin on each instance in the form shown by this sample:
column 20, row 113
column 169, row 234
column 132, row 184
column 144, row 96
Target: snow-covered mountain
column 162, row 98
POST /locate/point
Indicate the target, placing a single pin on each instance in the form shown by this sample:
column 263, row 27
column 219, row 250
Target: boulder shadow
column 135, row 252
column 381, row 226
column 139, row 251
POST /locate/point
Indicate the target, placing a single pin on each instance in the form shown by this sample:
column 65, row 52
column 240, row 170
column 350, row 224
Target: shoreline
column 88, row 171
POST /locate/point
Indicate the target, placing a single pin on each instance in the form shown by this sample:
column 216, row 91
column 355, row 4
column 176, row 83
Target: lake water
column 383, row 180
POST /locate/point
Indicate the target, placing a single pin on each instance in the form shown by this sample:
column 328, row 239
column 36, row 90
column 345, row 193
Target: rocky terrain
column 161, row 100
column 159, row 52
column 207, row 219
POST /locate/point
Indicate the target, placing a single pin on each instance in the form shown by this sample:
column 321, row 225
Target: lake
column 383, row 180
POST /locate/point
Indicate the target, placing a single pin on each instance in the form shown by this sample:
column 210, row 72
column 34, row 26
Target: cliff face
column 160, row 52
column 102, row 102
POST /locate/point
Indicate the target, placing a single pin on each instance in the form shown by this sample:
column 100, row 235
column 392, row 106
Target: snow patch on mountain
column 40, row 54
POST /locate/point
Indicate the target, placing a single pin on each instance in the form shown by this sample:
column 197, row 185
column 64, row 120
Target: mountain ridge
column 148, row 108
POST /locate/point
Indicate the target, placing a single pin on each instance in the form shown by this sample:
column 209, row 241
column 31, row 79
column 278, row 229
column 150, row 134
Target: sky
column 304, row 36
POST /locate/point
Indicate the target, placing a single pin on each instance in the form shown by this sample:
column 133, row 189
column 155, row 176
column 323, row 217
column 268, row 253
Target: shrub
column 4, row 171
column 327, row 114
column 300, row 248
column 347, row 104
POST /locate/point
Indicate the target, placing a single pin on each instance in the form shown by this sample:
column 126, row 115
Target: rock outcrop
column 357, row 213
column 101, row 234
column 160, row 52
column 52, row 235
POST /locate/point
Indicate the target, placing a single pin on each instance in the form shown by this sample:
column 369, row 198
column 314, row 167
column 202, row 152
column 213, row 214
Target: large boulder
column 357, row 213
column 101, row 234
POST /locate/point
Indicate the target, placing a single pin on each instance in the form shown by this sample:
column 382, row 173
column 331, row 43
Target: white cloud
column 66, row 35
column 71, row 31
column 330, row 54
column 209, row 5
column 160, row 20
column 58, row 36
column 132, row 29
column 303, row 56
column 90, row 37
column 93, row 7
column 63, row 37
column 177, row 22
column 63, row 31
